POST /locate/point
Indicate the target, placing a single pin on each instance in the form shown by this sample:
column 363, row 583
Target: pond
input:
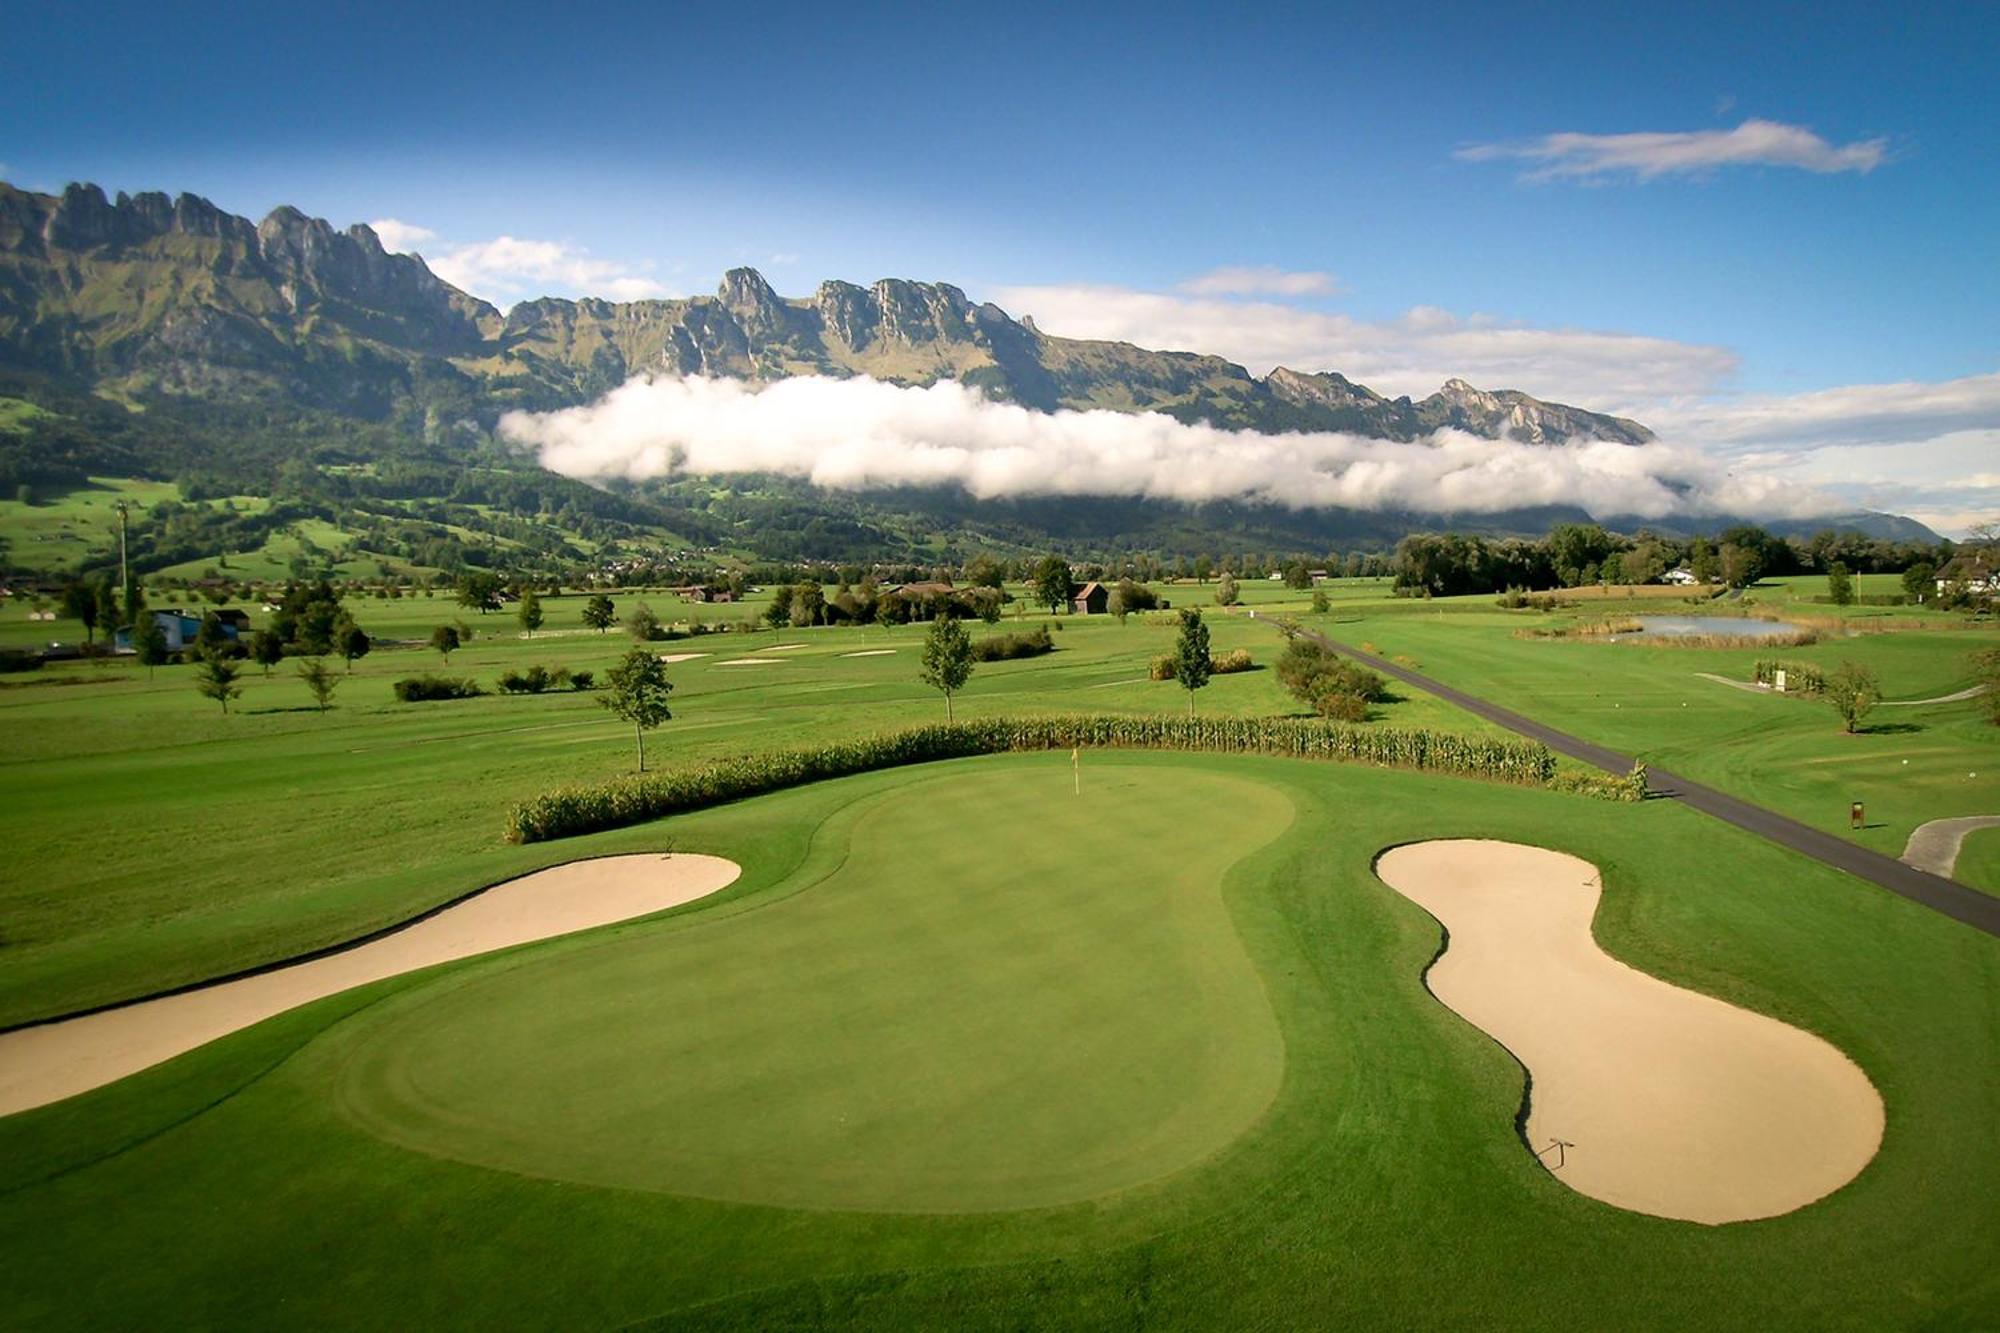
column 1679, row 627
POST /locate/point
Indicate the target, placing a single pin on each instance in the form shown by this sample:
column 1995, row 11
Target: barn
column 1091, row 599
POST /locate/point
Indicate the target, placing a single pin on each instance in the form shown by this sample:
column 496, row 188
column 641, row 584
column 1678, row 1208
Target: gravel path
column 1934, row 846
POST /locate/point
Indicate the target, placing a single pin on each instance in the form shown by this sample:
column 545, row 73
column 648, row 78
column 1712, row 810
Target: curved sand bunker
column 47, row 1063
column 1644, row 1095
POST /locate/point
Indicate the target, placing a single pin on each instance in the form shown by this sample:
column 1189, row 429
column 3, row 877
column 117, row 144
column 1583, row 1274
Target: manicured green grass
column 1383, row 1185
column 1907, row 766
column 926, row 1027
column 165, row 842
column 1979, row 861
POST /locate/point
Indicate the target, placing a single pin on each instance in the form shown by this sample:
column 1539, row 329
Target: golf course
column 1027, row 1037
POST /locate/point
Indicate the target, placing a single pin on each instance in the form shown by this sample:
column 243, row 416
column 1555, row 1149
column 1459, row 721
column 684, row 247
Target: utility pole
column 124, row 575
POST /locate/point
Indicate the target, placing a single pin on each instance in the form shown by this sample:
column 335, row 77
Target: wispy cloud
column 507, row 269
column 1851, row 414
column 783, row 257
column 400, row 237
column 1411, row 354
column 861, row 433
column 1263, row 280
column 1648, row 156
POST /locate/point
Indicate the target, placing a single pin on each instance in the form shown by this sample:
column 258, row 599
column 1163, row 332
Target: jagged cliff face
column 144, row 294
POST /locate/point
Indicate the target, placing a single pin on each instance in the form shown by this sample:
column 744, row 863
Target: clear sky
column 1398, row 191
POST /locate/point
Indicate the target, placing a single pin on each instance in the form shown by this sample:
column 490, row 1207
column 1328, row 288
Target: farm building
column 180, row 628
column 1682, row 576
column 1977, row 572
column 1091, row 599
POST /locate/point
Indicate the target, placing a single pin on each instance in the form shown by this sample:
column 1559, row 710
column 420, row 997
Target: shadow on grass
column 262, row 712
column 1888, row 729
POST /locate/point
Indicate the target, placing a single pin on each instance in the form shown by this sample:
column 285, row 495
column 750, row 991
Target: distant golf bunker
column 671, row 658
column 1644, row 1095
column 751, row 661
column 51, row 1061
column 871, row 652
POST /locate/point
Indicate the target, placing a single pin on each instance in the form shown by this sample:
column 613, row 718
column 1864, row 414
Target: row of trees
column 1574, row 554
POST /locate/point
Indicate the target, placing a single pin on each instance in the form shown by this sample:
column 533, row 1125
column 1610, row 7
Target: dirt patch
column 1644, row 1095
column 52, row 1061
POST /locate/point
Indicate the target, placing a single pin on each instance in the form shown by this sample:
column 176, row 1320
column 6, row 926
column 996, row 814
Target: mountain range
column 147, row 301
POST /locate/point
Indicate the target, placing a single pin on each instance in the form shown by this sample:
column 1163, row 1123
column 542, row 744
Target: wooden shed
column 1091, row 599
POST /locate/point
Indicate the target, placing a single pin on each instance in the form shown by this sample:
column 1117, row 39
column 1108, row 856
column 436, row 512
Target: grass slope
column 1384, row 1185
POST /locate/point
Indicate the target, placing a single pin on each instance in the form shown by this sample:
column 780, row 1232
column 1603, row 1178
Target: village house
column 1977, row 572
column 1682, row 577
column 180, row 627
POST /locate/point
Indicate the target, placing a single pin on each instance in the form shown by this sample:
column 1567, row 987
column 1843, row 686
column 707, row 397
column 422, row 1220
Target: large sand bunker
column 1642, row 1094
column 52, row 1061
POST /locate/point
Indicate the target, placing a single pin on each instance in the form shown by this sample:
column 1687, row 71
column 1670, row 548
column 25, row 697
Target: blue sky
column 1086, row 162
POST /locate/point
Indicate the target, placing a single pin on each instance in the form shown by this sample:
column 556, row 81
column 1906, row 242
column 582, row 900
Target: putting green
column 993, row 996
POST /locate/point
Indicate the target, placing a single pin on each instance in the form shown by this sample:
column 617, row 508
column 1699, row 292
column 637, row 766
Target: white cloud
column 1412, row 354
column 1650, row 155
column 1903, row 412
column 784, row 257
column 1264, row 280
column 399, row 237
column 509, row 268
column 862, row 433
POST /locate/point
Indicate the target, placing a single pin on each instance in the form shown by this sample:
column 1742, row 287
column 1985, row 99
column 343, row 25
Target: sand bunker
column 47, row 1063
column 1642, row 1094
column 751, row 661
column 671, row 658
column 871, row 652
column 781, row 647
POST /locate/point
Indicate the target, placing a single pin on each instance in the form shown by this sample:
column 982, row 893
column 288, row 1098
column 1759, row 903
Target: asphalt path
column 1955, row 900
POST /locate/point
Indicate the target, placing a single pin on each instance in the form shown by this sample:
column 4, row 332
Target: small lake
column 1679, row 627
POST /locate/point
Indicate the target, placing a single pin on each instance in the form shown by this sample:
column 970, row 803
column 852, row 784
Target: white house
column 1682, row 576
column 1976, row 572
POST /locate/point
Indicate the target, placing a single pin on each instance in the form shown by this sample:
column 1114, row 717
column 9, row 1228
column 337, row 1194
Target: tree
column 1852, row 689
column 808, row 605
column 267, row 649
column 79, row 602
column 599, row 613
column 149, row 641
column 1297, row 576
column 215, row 678
column 947, row 661
column 1053, row 582
column 480, row 590
column 351, row 642
column 531, row 611
column 1202, row 568
column 1320, row 605
column 638, row 693
column 1840, row 584
column 644, row 625
column 1192, row 664
column 320, row 681
column 1225, row 591
column 211, row 640
column 983, row 571
column 445, row 639
column 779, row 613
column 1920, row 581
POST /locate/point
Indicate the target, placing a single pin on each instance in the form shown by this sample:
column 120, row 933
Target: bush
column 1006, row 647
column 1231, row 662
column 573, row 810
column 1800, row 677
column 420, row 689
column 535, row 680
column 1161, row 668
column 582, row 680
column 1603, row 786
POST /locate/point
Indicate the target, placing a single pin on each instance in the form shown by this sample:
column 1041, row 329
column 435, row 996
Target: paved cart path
column 1956, row 901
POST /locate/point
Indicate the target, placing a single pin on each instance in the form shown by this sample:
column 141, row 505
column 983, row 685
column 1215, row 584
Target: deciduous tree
column 600, row 613
column 1192, row 664
column 638, row 690
column 1852, row 689
column 320, row 681
column 215, row 678
column 947, row 662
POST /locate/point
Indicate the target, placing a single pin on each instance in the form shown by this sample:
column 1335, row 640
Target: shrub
column 420, row 689
column 1603, row 786
column 582, row 680
column 1231, row 662
column 1800, row 677
column 573, row 810
column 534, row 680
column 1331, row 685
column 1006, row 647
column 1161, row 668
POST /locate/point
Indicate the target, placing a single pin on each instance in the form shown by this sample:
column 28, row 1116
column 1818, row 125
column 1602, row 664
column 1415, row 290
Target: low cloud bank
column 860, row 434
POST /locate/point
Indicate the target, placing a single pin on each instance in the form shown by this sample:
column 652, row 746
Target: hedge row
column 1800, row 677
column 573, row 810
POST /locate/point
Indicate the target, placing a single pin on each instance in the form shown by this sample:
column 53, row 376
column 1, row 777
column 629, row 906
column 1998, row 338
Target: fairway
column 996, row 998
